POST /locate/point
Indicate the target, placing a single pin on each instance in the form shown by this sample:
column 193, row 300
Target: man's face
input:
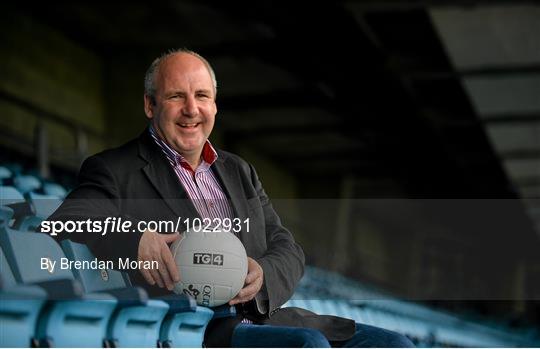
column 185, row 107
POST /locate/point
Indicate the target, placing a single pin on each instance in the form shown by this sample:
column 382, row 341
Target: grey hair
column 150, row 76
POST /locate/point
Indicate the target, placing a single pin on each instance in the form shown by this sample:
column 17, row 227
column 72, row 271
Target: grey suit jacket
column 136, row 182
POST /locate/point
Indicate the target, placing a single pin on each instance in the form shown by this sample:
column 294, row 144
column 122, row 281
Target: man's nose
column 190, row 107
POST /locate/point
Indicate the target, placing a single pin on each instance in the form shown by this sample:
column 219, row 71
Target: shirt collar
column 209, row 154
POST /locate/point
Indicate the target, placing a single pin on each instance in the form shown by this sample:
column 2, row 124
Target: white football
column 212, row 266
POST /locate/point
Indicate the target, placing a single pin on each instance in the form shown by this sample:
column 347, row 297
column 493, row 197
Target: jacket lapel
column 231, row 182
column 229, row 177
column 164, row 179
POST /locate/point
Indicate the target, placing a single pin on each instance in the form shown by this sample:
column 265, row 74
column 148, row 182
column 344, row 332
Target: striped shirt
column 201, row 185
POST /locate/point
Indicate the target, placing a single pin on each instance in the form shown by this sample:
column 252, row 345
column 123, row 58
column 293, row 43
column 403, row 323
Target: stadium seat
column 54, row 189
column 70, row 318
column 138, row 320
column 14, row 168
column 26, row 183
column 185, row 328
column 5, row 174
column 42, row 207
column 19, row 309
column 9, row 196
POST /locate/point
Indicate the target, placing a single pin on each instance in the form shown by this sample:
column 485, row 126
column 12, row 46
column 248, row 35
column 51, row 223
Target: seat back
column 95, row 279
column 6, row 276
column 5, row 174
column 15, row 168
column 30, row 256
column 8, row 196
column 26, row 183
column 42, row 207
column 54, row 189
column 19, row 309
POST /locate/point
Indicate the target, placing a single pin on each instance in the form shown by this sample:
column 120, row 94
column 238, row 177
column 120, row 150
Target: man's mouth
column 191, row 125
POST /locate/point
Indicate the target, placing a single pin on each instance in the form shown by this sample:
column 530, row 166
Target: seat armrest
column 179, row 303
column 62, row 289
column 18, row 292
column 224, row 310
column 21, row 209
column 129, row 296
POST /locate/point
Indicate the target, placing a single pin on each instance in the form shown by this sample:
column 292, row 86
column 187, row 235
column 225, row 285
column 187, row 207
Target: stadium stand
column 43, row 308
column 330, row 293
column 185, row 322
column 19, row 310
column 70, row 317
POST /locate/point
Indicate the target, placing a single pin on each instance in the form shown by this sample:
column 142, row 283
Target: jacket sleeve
column 97, row 198
column 283, row 261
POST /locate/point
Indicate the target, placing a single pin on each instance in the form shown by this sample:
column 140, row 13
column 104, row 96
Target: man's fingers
column 166, row 278
column 251, row 277
column 247, row 291
column 162, row 268
column 147, row 276
column 157, row 277
column 170, row 264
column 245, row 294
column 252, row 285
column 254, row 271
column 239, row 299
column 153, row 247
column 170, row 238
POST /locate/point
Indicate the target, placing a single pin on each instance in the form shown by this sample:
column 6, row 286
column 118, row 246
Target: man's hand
column 253, row 284
column 153, row 247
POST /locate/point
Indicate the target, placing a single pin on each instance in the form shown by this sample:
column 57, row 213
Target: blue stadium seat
column 8, row 196
column 14, row 168
column 19, row 309
column 54, row 189
column 5, row 174
column 185, row 328
column 26, row 183
column 71, row 318
column 138, row 320
column 42, row 207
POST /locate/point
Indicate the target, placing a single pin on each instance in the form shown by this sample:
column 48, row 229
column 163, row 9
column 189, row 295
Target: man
column 173, row 171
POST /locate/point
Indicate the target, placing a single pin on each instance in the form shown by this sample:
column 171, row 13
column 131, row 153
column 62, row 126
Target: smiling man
column 172, row 170
column 182, row 107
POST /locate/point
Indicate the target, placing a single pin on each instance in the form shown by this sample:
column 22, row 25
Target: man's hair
column 150, row 76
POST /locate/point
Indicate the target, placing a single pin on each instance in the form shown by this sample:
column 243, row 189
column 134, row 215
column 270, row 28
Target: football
column 212, row 265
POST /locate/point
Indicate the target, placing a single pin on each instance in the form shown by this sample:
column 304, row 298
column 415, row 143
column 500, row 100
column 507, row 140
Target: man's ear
column 149, row 103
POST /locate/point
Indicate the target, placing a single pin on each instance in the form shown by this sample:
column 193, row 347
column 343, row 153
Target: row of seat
column 28, row 183
column 99, row 307
column 326, row 292
column 25, row 214
column 57, row 307
column 45, row 306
